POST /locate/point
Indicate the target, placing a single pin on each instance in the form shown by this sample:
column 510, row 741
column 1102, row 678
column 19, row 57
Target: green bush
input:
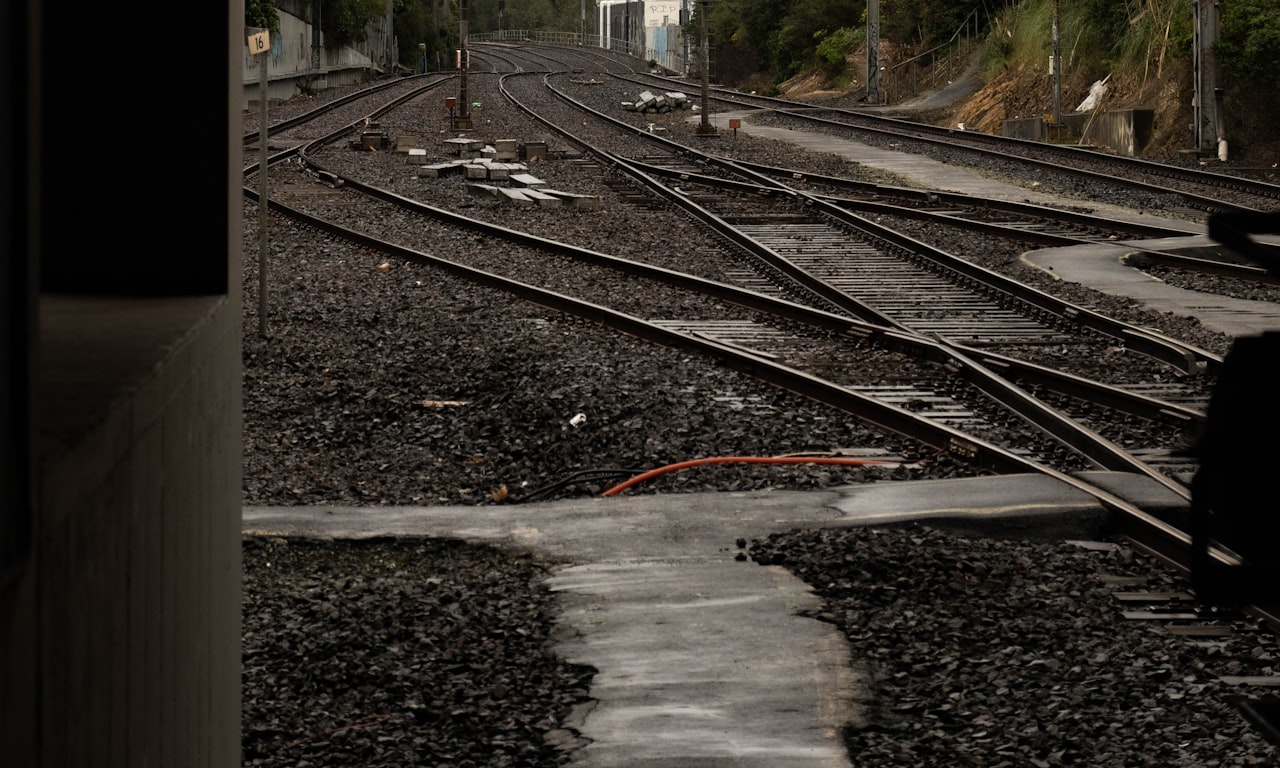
column 833, row 49
column 1248, row 45
column 263, row 15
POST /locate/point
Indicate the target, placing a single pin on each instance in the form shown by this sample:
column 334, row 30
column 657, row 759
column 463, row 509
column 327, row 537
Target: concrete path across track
column 704, row 660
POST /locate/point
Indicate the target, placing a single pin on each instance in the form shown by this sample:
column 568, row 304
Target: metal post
column 388, row 56
column 582, row 24
column 1056, row 64
column 260, row 49
column 705, row 128
column 463, row 121
column 262, row 198
column 684, row 38
column 1208, row 115
column 873, row 51
column 315, row 36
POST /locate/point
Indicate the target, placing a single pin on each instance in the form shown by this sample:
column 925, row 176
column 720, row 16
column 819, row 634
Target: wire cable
column 843, row 461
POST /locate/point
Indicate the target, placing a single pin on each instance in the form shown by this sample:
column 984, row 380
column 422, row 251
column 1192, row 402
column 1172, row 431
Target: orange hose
column 747, row 460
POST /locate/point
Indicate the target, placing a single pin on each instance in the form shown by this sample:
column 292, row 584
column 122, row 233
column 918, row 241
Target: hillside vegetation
column 1142, row 48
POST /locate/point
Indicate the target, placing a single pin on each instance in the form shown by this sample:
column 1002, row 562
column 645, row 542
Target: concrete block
column 438, row 170
column 575, row 200
column 526, row 180
column 533, row 150
column 542, row 198
column 514, row 195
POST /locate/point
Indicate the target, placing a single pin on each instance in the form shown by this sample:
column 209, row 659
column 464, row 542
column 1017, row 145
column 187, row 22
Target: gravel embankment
column 391, row 384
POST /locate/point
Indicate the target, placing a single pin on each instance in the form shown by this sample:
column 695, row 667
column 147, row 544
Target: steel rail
column 1157, row 536
column 918, row 201
column 1067, row 431
column 1186, row 358
column 999, row 146
column 305, row 117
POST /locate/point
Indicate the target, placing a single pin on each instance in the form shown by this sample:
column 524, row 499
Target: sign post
column 259, row 44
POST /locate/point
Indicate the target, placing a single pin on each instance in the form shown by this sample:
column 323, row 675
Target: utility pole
column 1208, row 96
column 684, row 38
column 873, row 51
column 705, row 128
column 462, row 121
column 390, row 55
column 315, row 38
column 1056, row 65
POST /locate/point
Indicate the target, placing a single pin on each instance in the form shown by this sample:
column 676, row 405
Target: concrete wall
column 135, row 566
column 120, row 578
column 291, row 68
column 1122, row 131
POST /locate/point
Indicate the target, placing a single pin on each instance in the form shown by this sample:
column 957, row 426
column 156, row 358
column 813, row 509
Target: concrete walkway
column 704, row 659
column 1100, row 267
column 1096, row 266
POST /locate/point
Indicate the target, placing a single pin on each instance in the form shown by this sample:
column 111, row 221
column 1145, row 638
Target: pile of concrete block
column 648, row 101
column 551, row 198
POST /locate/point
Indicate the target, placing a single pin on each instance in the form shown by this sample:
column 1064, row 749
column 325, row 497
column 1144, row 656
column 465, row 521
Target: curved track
column 930, row 431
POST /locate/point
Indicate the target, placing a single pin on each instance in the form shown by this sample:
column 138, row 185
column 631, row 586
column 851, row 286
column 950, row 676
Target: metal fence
column 668, row 60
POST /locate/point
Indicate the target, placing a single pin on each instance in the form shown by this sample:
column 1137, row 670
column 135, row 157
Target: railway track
column 884, row 413
column 1185, row 417
column 1199, row 190
column 754, row 344
column 969, row 408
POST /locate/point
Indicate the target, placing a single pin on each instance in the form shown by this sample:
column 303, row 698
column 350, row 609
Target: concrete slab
column 704, row 659
column 1101, row 268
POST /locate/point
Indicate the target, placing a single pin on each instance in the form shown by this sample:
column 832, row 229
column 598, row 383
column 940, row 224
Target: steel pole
column 705, row 128
column 263, row 62
column 1057, row 69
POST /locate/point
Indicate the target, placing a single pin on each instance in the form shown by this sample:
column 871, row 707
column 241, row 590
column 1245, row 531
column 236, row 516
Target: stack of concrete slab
column 484, row 168
column 648, row 101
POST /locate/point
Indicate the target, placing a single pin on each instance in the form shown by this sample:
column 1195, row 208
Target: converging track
column 878, row 353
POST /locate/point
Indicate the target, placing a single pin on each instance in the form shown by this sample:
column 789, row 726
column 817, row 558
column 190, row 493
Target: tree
column 927, row 22
column 262, row 14
column 417, row 23
column 346, row 21
column 1248, row 46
